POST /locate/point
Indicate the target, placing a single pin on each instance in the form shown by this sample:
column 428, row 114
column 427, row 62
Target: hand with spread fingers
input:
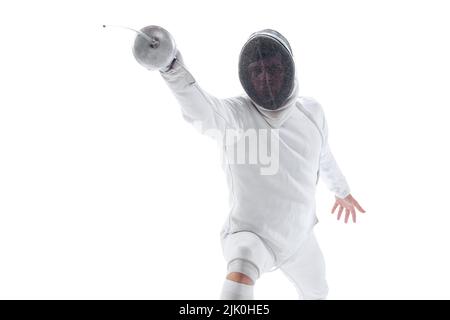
column 349, row 204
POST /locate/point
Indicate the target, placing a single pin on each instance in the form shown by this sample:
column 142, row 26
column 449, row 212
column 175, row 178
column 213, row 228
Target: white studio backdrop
column 106, row 193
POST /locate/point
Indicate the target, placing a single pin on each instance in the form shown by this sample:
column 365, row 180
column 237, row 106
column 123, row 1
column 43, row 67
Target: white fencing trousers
column 305, row 269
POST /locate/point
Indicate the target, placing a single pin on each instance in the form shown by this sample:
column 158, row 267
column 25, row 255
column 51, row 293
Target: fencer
column 272, row 216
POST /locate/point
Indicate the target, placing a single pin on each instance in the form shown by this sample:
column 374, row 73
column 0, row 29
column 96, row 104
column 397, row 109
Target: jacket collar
column 276, row 118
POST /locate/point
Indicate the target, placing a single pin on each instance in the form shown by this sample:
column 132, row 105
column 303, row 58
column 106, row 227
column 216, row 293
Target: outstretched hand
column 349, row 204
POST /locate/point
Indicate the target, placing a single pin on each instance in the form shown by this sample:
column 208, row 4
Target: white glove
column 178, row 58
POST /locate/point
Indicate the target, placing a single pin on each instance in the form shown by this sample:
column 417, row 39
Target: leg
column 240, row 277
column 247, row 258
column 240, row 280
column 306, row 269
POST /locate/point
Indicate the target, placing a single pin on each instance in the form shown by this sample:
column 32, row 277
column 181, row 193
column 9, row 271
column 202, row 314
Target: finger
column 347, row 215
column 341, row 208
column 353, row 214
column 358, row 206
column 334, row 207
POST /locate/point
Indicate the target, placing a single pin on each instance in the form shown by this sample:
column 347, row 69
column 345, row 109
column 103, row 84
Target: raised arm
column 199, row 107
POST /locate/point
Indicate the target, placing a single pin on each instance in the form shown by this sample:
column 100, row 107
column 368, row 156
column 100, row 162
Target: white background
column 105, row 192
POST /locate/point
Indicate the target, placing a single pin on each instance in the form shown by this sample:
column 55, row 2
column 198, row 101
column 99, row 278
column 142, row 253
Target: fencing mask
column 267, row 70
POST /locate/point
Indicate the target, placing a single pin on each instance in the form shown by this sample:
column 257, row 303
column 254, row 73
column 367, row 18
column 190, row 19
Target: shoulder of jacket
column 241, row 103
column 309, row 102
column 312, row 106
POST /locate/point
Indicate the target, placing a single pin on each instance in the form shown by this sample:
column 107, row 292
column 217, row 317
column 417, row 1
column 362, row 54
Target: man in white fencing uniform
column 272, row 199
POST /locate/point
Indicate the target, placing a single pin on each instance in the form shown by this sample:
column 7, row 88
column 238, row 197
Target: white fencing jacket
column 280, row 207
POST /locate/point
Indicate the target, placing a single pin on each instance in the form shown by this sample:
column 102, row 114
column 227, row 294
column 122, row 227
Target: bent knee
column 240, row 277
